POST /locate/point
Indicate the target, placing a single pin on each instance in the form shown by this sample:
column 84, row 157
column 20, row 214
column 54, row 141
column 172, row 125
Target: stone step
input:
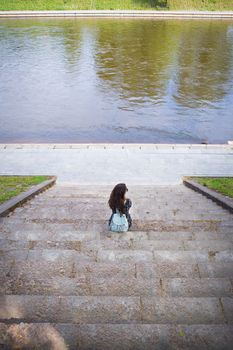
column 116, row 336
column 207, row 236
column 164, row 256
column 103, row 200
column 118, row 255
column 47, row 234
column 86, row 269
column 38, row 284
column 109, row 243
column 170, row 199
column 80, row 269
column 136, row 192
column 216, row 269
column 199, row 287
column 186, row 310
column 114, row 310
column 33, row 284
column 174, row 203
column 138, row 225
column 133, row 245
column 169, row 279
column 197, row 204
column 63, row 234
column 72, row 309
column 15, row 263
column 140, row 190
column 177, row 210
column 12, row 257
column 214, row 245
column 191, row 196
column 84, row 210
column 65, row 256
column 169, row 202
column 167, row 269
column 85, row 213
column 13, row 224
column 147, row 235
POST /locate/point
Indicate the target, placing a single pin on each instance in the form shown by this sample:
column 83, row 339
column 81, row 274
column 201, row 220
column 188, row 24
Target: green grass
column 223, row 185
column 11, row 186
column 212, row 5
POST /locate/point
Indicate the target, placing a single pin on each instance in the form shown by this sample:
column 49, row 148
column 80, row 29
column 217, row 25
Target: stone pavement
column 101, row 164
column 68, row 283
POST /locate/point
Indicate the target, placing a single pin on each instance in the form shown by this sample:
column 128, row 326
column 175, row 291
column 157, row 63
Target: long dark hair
column 117, row 197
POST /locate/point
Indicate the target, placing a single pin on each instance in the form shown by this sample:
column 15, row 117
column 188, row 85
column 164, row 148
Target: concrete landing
column 68, row 283
column 102, row 164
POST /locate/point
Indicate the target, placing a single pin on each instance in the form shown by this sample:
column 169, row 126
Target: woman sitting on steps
column 120, row 220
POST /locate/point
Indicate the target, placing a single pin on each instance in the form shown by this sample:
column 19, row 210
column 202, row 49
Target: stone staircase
column 68, row 283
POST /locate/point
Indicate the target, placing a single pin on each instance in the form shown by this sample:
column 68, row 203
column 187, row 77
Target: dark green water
column 116, row 80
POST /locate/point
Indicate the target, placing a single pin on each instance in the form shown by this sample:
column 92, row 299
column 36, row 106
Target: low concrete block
column 182, row 311
column 147, row 270
column 227, row 304
column 12, row 257
column 131, row 286
column 176, row 235
column 117, row 336
column 52, row 255
column 151, row 245
column 124, row 255
column 39, row 269
column 214, row 235
column 128, row 236
column 199, row 287
column 102, row 270
column 224, row 256
column 108, row 244
column 8, row 244
column 34, row 285
column 70, row 309
column 209, row 245
column 178, row 257
column 216, row 269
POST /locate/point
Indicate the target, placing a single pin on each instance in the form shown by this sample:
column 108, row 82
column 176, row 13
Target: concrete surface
column 102, row 164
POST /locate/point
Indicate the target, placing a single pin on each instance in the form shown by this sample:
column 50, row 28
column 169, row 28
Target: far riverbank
column 74, row 5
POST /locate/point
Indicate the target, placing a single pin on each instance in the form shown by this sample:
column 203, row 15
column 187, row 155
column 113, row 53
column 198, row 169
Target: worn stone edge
column 14, row 202
column 118, row 13
column 223, row 201
column 55, row 146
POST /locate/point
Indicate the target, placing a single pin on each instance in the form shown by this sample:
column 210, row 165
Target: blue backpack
column 119, row 222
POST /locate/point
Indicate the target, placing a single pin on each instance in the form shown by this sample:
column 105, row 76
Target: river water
column 116, row 80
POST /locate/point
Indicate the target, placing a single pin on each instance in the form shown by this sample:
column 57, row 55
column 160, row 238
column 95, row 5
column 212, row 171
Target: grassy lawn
column 212, row 5
column 11, row 186
column 223, row 185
